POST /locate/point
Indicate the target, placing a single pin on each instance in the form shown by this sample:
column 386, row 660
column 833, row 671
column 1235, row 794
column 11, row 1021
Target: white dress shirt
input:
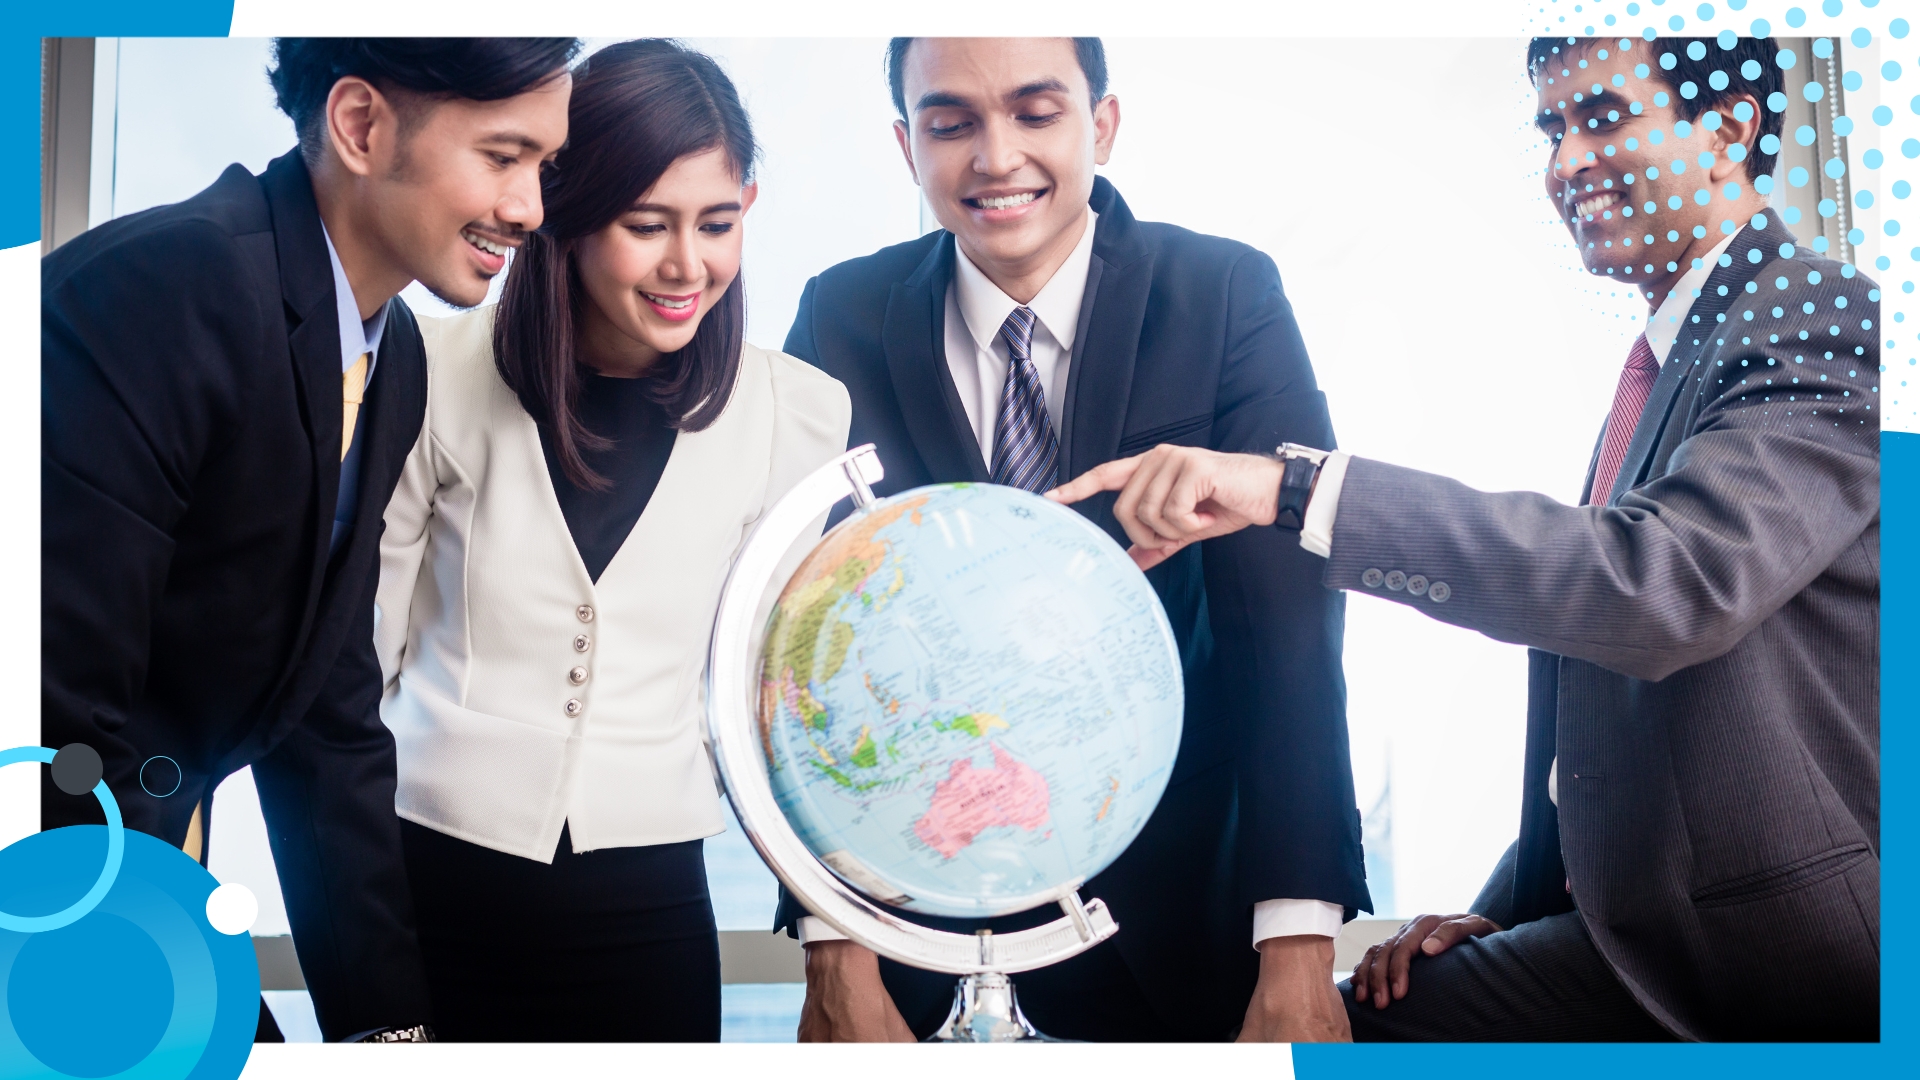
column 978, row 358
column 357, row 335
column 1663, row 330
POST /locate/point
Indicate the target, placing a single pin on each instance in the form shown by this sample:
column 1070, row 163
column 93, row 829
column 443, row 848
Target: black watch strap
column 1302, row 466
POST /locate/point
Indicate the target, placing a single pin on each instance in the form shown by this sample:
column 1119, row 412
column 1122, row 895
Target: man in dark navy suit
column 231, row 385
column 1042, row 332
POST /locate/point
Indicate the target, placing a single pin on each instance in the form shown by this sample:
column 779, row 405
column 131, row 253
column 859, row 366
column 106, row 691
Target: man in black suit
column 1042, row 332
column 230, row 388
column 1699, row 848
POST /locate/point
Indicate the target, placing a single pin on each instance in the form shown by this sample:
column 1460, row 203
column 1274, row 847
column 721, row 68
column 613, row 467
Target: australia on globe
column 970, row 700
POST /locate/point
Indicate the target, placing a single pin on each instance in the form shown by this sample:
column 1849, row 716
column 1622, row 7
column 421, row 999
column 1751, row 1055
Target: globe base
column 986, row 1011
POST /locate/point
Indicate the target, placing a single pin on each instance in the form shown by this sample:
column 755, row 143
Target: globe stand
column 985, row 1009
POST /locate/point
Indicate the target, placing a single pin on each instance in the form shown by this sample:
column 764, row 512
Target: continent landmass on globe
column 845, row 569
column 970, row 801
column 836, row 570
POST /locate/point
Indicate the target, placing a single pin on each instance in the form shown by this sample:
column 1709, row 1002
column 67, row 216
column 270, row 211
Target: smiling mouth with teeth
column 669, row 302
column 1604, row 200
column 1002, row 202
column 484, row 244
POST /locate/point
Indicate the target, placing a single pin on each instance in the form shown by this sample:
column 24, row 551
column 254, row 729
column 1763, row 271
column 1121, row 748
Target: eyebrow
column 943, row 99
column 1605, row 99
column 657, row 208
column 525, row 142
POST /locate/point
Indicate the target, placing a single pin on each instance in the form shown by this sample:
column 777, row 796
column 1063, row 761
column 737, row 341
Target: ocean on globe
column 970, row 700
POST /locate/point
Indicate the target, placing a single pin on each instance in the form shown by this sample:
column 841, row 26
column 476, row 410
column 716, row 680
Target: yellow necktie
column 353, row 390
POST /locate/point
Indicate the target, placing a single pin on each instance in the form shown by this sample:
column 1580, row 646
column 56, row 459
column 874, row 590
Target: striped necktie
column 353, row 390
column 1629, row 398
column 1025, row 453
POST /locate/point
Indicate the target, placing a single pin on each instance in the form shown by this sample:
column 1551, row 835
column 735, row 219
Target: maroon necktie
column 1636, row 382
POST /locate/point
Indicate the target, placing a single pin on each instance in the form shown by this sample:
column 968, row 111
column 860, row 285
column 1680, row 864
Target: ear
column 747, row 194
column 361, row 125
column 1730, row 133
column 1106, row 125
column 905, row 139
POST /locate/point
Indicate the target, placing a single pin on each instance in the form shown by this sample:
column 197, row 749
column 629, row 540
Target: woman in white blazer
column 597, row 448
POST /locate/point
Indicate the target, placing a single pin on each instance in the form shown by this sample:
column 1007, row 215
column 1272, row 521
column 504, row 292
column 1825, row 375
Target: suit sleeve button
column 1439, row 591
column 1416, row 584
column 574, row 706
column 1396, row 580
column 1372, row 578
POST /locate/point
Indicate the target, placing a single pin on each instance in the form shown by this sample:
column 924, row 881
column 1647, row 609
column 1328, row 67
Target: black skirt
column 616, row 945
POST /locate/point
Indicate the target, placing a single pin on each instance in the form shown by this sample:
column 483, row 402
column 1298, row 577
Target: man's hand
column 1295, row 1000
column 1172, row 496
column 1381, row 975
column 846, row 1001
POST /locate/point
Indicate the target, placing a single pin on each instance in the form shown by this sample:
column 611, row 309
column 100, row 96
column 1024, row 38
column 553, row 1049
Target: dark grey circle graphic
column 76, row 768
column 160, row 771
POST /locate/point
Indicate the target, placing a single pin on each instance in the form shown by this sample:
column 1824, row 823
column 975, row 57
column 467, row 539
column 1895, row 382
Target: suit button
column 584, row 613
column 581, row 643
column 1439, row 591
column 574, row 706
column 577, row 676
column 1372, row 578
column 1416, row 584
column 1396, row 580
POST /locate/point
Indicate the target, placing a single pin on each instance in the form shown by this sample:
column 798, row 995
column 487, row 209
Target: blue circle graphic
column 179, row 775
column 116, row 848
column 142, row 988
column 56, row 987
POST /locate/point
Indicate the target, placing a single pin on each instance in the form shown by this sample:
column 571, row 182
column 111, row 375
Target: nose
column 519, row 205
column 678, row 262
column 997, row 152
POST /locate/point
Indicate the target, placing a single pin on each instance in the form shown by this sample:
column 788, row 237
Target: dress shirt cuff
column 1289, row 918
column 1316, row 532
column 813, row 928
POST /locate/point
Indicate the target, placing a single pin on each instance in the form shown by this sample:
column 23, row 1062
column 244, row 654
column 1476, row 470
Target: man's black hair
column 1091, row 54
column 1671, row 60
column 438, row 69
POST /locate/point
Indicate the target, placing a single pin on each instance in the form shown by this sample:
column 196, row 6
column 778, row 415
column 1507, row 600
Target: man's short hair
column 1091, row 54
column 436, row 69
column 1701, row 73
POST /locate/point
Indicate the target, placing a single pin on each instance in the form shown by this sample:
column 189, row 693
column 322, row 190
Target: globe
column 970, row 700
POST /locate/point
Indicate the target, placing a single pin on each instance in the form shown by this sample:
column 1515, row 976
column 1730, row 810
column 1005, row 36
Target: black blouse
column 642, row 441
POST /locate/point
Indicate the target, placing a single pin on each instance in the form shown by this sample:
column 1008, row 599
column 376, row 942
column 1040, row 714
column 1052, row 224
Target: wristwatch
column 416, row 1033
column 1302, row 467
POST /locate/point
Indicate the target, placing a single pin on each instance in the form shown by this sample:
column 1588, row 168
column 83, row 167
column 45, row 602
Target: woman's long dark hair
column 637, row 107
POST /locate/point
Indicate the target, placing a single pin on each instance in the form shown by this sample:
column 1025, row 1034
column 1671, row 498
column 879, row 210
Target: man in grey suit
column 1699, row 849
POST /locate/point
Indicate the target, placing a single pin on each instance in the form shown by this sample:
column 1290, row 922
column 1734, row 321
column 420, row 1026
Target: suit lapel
column 396, row 400
column 1698, row 325
column 1100, row 381
column 914, row 338
column 313, row 337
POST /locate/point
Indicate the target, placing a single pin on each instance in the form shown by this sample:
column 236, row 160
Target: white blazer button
column 574, row 706
column 1396, row 580
column 577, row 676
column 1416, row 584
column 584, row 612
column 1439, row 591
column 581, row 643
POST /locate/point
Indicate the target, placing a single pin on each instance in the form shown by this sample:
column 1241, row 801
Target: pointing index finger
column 1109, row 476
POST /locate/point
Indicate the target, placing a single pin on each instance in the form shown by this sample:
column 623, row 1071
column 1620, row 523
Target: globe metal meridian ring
column 116, row 850
column 733, row 687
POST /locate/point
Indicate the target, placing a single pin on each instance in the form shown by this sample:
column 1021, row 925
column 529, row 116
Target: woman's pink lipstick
column 686, row 307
